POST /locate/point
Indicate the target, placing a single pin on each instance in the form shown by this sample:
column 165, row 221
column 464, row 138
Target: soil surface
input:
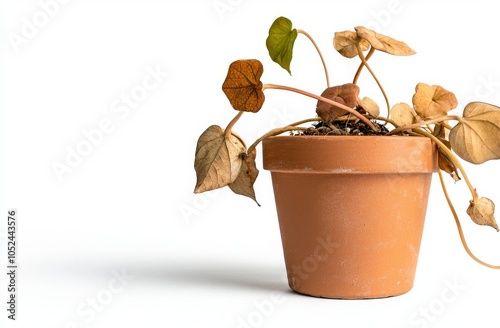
column 346, row 128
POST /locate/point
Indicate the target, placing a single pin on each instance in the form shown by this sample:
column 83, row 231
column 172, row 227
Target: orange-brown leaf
column 243, row 87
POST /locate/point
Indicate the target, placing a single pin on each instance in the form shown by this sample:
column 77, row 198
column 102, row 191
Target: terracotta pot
column 351, row 211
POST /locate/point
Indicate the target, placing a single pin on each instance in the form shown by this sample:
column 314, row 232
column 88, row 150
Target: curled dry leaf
column 345, row 43
column 217, row 160
column 440, row 131
column 384, row 43
column 243, row 185
column 402, row 114
column 243, row 87
column 433, row 100
column 280, row 42
column 445, row 163
column 370, row 106
column 346, row 94
column 476, row 138
column 482, row 212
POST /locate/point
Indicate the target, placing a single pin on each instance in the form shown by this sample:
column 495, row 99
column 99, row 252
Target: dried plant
column 222, row 158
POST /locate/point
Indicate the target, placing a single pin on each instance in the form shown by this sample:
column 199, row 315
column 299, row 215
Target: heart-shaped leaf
column 402, row 114
column 433, row 100
column 243, row 87
column 345, row 94
column 345, row 43
column 243, row 185
column 482, row 212
column 217, row 159
column 476, row 138
column 384, row 43
column 280, row 42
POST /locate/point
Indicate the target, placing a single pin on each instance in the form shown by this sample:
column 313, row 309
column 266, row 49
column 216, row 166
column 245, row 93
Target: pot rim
column 350, row 154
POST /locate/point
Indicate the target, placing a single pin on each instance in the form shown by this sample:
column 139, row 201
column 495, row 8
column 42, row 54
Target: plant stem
column 459, row 226
column 328, row 101
column 446, row 125
column 452, row 158
column 365, row 63
column 227, row 131
column 274, row 132
column 360, row 68
column 314, row 119
column 320, row 55
column 419, row 124
column 387, row 120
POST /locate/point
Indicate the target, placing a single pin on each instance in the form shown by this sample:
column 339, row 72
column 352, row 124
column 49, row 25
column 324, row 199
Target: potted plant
column 351, row 185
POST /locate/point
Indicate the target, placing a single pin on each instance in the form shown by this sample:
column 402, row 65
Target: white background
column 127, row 207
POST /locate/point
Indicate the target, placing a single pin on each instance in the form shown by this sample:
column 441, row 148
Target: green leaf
column 280, row 42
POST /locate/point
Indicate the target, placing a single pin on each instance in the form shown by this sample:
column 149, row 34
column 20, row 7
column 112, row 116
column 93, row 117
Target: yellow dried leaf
column 370, row 106
column 243, row 185
column 217, row 159
column 482, row 212
column 384, row 43
column 476, row 138
column 433, row 100
column 402, row 114
column 345, row 43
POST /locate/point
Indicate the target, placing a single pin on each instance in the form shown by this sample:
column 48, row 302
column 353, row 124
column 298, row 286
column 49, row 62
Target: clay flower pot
column 351, row 211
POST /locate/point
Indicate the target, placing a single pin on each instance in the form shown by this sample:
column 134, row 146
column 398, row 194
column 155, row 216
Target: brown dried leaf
column 433, row 100
column 217, row 159
column 384, row 43
column 482, row 212
column 476, row 138
column 370, row 106
column 402, row 114
column 243, row 185
column 440, row 131
column 345, row 43
column 445, row 163
column 346, row 94
column 243, row 87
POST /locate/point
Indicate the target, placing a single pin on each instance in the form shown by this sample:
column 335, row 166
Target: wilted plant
column 222, row 158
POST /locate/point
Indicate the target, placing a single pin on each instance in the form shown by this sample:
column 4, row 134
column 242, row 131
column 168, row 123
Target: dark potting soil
column 346, row 128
